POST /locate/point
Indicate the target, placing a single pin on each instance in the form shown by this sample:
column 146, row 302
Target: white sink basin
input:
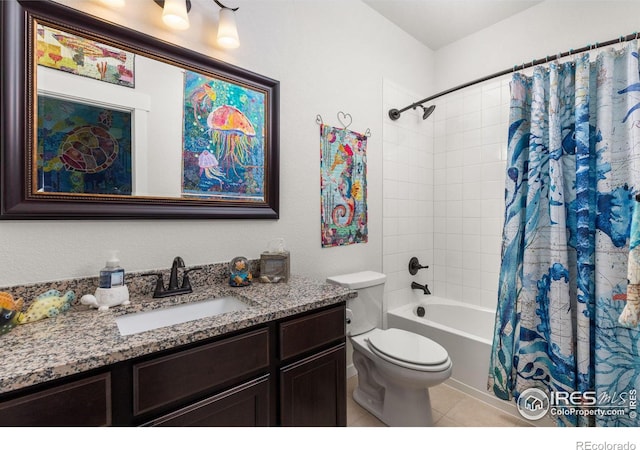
column 173, row 315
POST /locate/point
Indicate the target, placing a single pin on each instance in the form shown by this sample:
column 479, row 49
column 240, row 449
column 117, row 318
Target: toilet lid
column 408, row 347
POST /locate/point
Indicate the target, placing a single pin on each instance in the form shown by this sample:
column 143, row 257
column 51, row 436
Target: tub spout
column 423, row 288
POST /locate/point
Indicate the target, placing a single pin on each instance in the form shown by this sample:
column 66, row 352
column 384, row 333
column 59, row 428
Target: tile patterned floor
column 451, row 408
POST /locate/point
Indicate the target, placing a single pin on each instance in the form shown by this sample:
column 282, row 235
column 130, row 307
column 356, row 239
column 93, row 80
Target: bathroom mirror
column 101, row 121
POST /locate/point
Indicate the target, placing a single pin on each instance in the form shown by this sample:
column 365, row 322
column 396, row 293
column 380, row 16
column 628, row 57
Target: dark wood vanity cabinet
column 312, row 375
column 83, row 402
column 313, row 390
column 289, row 372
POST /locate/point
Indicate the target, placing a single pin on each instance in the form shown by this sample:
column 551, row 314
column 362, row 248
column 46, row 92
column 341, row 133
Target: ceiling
column 437, row 23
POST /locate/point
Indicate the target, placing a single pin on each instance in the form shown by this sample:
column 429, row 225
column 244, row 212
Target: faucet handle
column 186, row 283
column 414, row 266
column 159, row 282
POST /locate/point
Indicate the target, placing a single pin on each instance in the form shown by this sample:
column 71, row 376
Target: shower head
column 394, row 114
column 427, row 111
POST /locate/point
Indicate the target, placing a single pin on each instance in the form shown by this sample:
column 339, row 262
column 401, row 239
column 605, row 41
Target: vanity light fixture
column 174, row 13
column 227, row 29
column 113, row 3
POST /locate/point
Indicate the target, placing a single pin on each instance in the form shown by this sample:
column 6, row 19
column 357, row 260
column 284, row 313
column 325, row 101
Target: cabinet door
column 85, row 402
column 246, row 405
column 313, row 390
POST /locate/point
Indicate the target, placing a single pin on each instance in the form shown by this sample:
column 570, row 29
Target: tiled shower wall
column 454, row 223
column 470, row 145
column 407, row 195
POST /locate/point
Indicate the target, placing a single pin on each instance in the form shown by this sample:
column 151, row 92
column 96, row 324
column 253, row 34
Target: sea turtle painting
column 84, row 148
column 89, row 148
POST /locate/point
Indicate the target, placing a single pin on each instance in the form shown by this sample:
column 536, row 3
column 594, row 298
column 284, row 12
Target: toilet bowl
column 395, row 367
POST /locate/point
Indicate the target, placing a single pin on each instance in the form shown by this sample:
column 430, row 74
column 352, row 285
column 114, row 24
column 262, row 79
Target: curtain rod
column 394, row 114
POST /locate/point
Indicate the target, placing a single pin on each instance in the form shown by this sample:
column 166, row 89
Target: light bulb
column 174, row 14
column 113, row 3
column 227, row 30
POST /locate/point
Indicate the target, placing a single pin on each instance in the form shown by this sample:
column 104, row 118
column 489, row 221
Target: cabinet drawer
column 171, row 378
column 312, row 331
column 80, row 403
column 246, row 405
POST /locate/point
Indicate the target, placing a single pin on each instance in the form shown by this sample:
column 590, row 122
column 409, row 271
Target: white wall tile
column 444, row 196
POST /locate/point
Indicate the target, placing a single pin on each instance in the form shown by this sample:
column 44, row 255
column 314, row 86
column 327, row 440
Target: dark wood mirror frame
column 17, row 86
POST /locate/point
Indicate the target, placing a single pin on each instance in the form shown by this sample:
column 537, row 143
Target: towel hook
column 319, row 120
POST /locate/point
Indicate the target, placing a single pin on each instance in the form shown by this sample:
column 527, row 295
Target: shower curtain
column 573, row 168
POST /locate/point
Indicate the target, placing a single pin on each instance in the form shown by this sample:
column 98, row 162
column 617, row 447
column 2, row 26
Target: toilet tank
column 365, row 311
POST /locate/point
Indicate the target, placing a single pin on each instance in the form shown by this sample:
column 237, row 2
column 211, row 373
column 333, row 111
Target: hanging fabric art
column 343, row 178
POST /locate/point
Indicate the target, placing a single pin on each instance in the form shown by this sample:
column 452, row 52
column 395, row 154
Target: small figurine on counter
column 104, row 298
column 49, row 304
column 9, row 310
column 240, row 275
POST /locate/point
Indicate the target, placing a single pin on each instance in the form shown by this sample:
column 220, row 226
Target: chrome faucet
column 173, row 288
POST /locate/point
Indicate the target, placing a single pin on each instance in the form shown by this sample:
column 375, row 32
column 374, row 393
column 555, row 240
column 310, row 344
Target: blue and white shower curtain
column 573, row 169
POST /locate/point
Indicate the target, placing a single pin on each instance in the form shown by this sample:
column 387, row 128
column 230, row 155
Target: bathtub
column 464, row 330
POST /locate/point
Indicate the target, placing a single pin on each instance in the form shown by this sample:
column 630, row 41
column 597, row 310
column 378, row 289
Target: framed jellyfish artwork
column 106, row 122
column 224, row 140
column 83, row 148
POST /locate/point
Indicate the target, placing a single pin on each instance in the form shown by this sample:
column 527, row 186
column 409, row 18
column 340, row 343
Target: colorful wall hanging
column 82, row 148
column 74, row 54
column 224, row 140
column 343, row 178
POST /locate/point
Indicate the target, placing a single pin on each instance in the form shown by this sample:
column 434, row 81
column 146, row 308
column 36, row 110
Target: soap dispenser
column 112, row 291
column 112, row 275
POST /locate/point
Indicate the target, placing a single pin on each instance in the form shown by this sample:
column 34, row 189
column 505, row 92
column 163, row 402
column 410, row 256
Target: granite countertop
column 82, row 338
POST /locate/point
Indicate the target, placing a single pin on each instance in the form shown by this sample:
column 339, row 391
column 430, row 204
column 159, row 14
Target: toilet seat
column 409, row 350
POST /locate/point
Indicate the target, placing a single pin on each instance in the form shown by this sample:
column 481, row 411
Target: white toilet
column 395, row 367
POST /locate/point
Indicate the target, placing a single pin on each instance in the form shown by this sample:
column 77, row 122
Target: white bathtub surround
column 470, row 141
column 407, row 193
column 451, row 215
